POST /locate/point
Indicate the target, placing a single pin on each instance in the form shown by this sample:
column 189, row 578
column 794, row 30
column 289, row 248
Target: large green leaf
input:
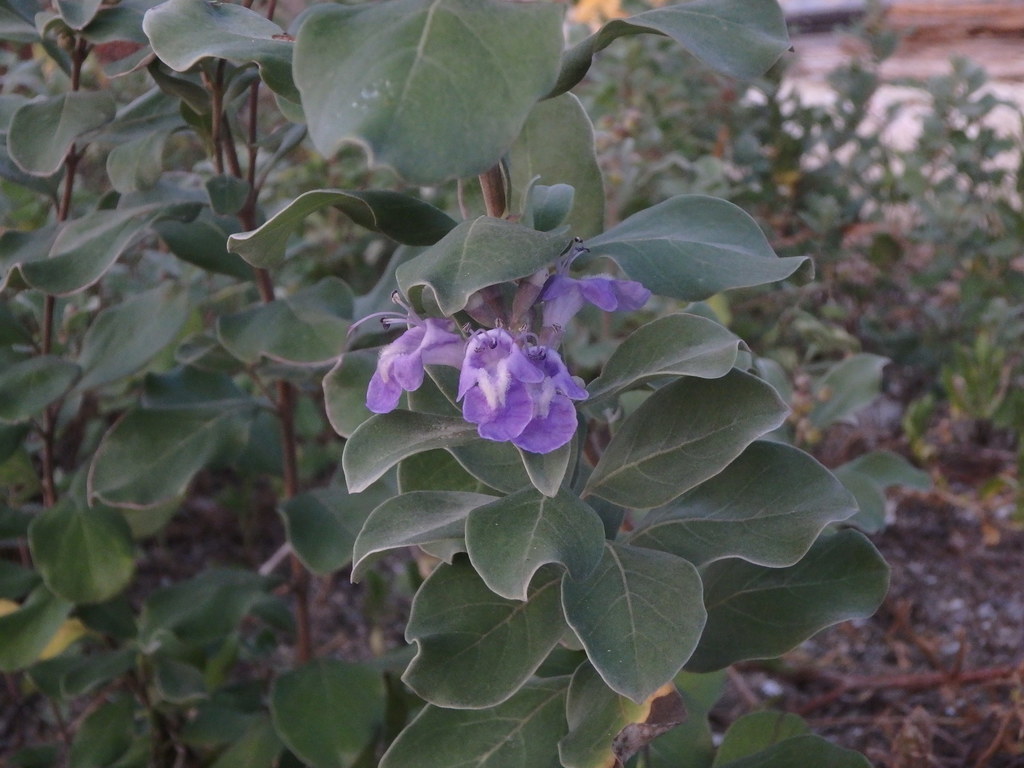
column 401, row 217
column 126, row 336
column 202, row 242
column 322, row 526
column 151, row 455
column 756, row 731
column 310, row 326
column 25, row 632
column 756, row 612
column 345, row 390
column 433, row 88
column 385, row 439
column 411, row 519
column 683, row 434
column 436, row 470
column 639, row 616
column 602, row 724
column 691, row 247
column 327, row 711
column 511, row 538
column 184, row 32
column 497, row 465
column 87, row 247
column 674, row 345
column 742, row 38
column 767, row 507
column 523, row 731
column 28, row 386
column 104, row 735
column 556, row 146
column 66, row 117
column 476, row 254
column 84, row 555
column 476, row 649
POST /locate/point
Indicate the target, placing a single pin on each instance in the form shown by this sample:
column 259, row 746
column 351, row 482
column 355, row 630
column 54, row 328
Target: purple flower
column 516, row 395
column 564, row 296
column 400, row 365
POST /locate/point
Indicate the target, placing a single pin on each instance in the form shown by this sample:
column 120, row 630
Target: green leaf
column 98, row 668
column 639, row 616
column 136, row 165
column 83, row 555
column 691, row 247
column 411, row 519
column 87, row 247
column 766, row 507
column 25, row 632
column 846, row 388
column 151, row 455
column 603, row 724
column 104, row 735
column 511, row 538
column 867, row 477
column 78, row 13
column 66, row 117
column 690, row 744
column 345, row 390
column 433, row 88
column 202, row 242
column 258, row 747
column 227, row 194
column 203, row 609
column 124, row 337
column 756, row 612
column 756, row 731
column 308, row 327
column 556, row 146
column 184, row 32
column 386, row 438
column 801, row 750
column 674, row 345
column 322, row 526
column 401, row 217
column 683, row 434
column 497, row 465
column 326, row 711
column 29, row 386
column 476, row 649
column 476, row 254
column 522, row 731
column 741, row 38
column 16, row 581
column 436, row 471
column 178, row 682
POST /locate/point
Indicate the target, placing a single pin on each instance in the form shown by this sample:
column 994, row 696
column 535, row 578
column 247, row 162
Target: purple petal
column 382, row 395
column 502, row 423
column 548, row 433
column 614, row 295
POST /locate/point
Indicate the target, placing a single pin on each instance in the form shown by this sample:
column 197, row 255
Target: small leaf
column 322, row 526
column 683, row 434
column 412, row 519
column 184, row 32
column 741, row 38
column 385, row 439
column 801, row 750
column 66, row 117
column 766, row 507
column 451, row 93
column 400, row 217
column 345, row 390
column 756, row 731
column 846, row 388
column 136, row 165
column 83, row 555
column 227, row 194
column 27, row 629
column 522, row 731
column 602, row 724
column 151, row 455
column 476, row 649
column 674, row 345
column 30, row 385
column 867, row 477
column 547, row 470
column 327, row 711
column 476, row 254
column 78, row 13
column 126, row 336
column 308, row 327
column 258, row 747
column 202, row 242
column 691, row 247
column 104, row 735
column 756, row 612
column 556, row 147
column 511, row 538
column 639, row 616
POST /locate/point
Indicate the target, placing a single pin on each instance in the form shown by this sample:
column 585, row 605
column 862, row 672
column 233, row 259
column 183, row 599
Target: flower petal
column 546, row 434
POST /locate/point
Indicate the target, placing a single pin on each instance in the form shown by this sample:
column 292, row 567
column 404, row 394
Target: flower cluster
column 511, row 386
